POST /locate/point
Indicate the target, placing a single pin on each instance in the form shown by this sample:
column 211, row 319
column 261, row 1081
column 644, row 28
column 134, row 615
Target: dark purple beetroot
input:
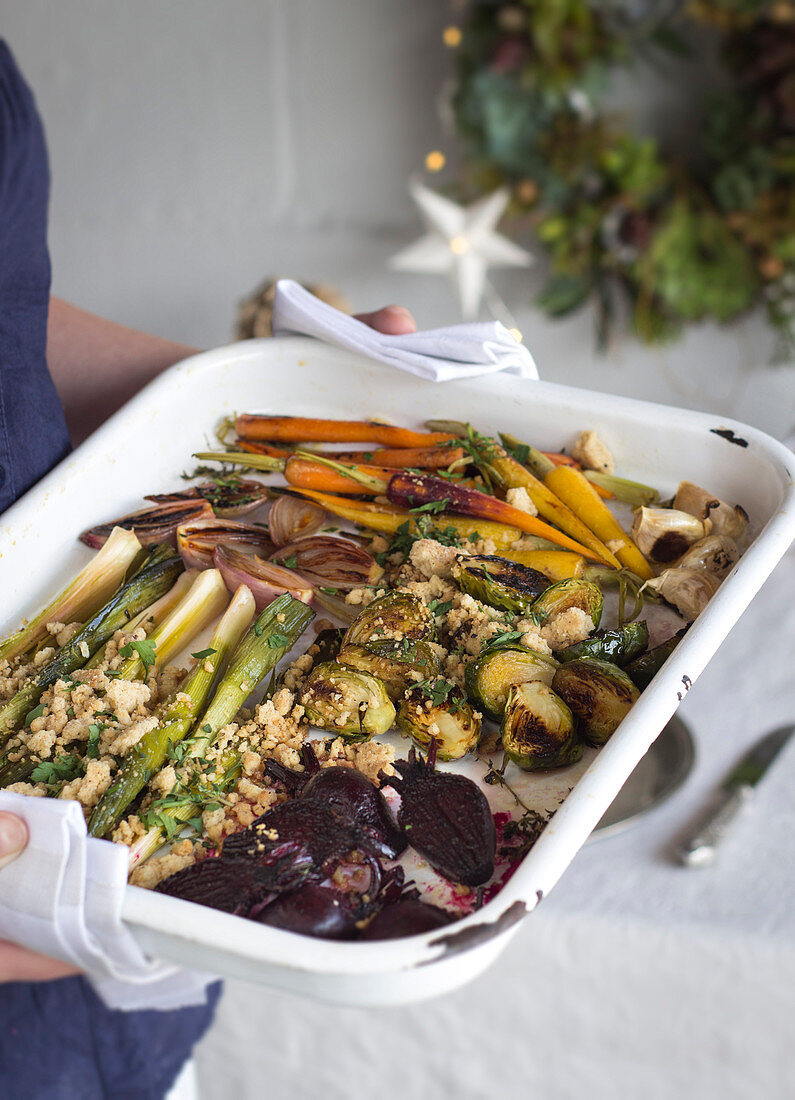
column 299, row 842
column 312, row 911
column 447, row 819
column 351, row 795
column 406, row 918
column 231, row 887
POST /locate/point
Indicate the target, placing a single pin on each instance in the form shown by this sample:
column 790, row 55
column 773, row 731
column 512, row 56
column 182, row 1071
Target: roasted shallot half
column 265, row 579
column 197, row 541
column 291, row 518
column 229, row 496
column 329, row 561
column 151, row 525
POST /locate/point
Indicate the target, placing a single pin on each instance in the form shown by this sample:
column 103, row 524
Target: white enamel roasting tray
column 147, row 444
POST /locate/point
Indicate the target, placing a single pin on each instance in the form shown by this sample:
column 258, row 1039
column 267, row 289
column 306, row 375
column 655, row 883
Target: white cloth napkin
column 438, row 355
column 63, row 897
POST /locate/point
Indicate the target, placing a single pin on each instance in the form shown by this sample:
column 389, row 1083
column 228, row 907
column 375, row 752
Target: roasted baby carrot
column 303, row 429
column 575, row 490
column 388, row 518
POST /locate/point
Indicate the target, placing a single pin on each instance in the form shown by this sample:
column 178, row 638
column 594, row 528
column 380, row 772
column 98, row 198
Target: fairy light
column 459, row 245
column 451, row 36
column 435, row 160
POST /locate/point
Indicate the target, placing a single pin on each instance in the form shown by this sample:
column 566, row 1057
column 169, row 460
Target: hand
column 17, row 964
column 391, row 320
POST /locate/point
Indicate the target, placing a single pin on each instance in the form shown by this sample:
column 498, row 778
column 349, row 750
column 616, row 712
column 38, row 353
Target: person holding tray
column 57, row 1038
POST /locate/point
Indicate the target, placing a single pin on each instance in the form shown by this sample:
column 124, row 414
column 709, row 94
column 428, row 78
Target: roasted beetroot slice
column 311, row 911
column 298, row 840
column 447, row 819
column 406, row 918
column 230, row 887
column 356, row 800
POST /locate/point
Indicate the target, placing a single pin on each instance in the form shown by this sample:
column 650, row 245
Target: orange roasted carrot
column 303, row 429
column 303, row 473
column 417, row 458
column 262, row 449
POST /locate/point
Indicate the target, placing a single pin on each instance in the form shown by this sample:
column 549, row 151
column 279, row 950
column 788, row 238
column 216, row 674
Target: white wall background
column 200, row 146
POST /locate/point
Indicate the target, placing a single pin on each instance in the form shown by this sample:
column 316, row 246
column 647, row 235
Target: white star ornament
column 461, row 242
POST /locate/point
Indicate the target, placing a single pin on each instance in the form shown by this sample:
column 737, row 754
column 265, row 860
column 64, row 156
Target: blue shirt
column 57, row 1039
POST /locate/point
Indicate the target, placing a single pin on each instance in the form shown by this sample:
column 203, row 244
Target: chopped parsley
column 92, row 748
column 145, row 650
column 434, row 506
column 33, row 714
column 204, row 653
column 58, row 771
column 290, row 562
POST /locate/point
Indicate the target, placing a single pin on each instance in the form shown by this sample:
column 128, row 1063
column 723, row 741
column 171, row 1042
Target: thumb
column 13, row 837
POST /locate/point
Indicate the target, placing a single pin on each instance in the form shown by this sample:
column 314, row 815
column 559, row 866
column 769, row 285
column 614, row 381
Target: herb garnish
column 145, row 650
column 204, row 653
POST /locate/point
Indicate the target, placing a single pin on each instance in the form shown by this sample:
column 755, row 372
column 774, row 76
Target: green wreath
column 687, row 242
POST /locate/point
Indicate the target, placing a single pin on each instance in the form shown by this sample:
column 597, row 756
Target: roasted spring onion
column 83, row 596
column 201, row 605
column 175, row 717
column 151, row 581
column 270, row 637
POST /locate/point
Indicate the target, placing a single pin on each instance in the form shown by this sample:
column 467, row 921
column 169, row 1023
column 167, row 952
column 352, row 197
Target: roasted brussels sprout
column 392, row 662
column 644, row 668
column 618, row 646
column 574, row 592
column 499, row 668
column 352, row 704
column 327, row 644
column 538, row 728
column 397, row 615
column 499, row 582
column 599, row 694
column 437, row 708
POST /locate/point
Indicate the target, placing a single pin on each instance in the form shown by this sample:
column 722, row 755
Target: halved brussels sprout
column 499, row 668
column 599, row 694
column 349, row 703
column 327, row 644
column 437, row 708
column 538, row 729
column 619, row 646
column 392, row 662
column 574, row 592
column 499, row 582
column 644, row 668
column 397, row 615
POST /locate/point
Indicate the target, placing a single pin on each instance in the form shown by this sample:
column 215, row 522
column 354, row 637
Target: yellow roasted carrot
column 575, row 490
column 558, row 565
column 387, row 518
column 495, row 462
